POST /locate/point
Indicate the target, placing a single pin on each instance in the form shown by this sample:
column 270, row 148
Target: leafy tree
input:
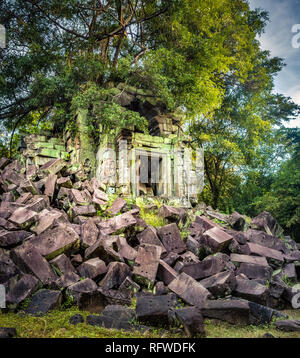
column 182, row 51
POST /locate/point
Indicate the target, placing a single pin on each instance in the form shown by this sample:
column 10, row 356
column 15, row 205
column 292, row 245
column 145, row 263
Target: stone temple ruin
column 127, row 161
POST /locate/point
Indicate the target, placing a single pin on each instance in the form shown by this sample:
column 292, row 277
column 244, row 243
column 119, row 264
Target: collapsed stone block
column 250, row 290
column 117, row 206
column 221, row 284
column 205, row 223
column 50, row 185
column 253, row 271
column 191, row 291
column 172, row 214
column 146, row 264
column 266, row 252
column 256, row 260
column 231, row 311
column 192, row 321
column 171, row 238
column 64, row 182
column 22, row 288
column 149, row 236
column 216, row 239
column 117, row 223
column 93, row 268
column 43, row 301
column 205, row 268
column 7, row 267
column 129, row 286
column 52, row 166
column 87, row 210
column 154, row 310
column 53, row 242
column 23, row 217
column 29, row 260
column 265, row 222
column 105, row 248
column 63, row 264
column 237, row 221
column 116, row 274
column 89, row 233
column 166, row 273
column 9, row 239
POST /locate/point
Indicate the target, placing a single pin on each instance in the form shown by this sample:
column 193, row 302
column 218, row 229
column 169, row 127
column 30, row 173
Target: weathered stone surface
column 166, row 273
column 146, row 264
column 125, row 250
column 10, row 239
column 28, row 258
column 154, row 310
column 65, row 280
column 6, row 332
column 23, row 217
column 24, row 198
column 149, row 236
column 50, row 185
column 87, row 296
column 232, row 311
column 52, row 242
column 254, row 271
column 237, row 221
column 266, row 252
column 193, row 245
column 7, row 268
column 172, row 214
column 64, row 182
column 265, row 222
column 116, row 223
column 116, row 274
column 28, row 186
column 105, row 248
column 288, row 325
column 76, row 197
column 52, row 167
column 38, row 203
column 7, row 225
column 205, row 223
column 89, row 233
column 160, row 289
column 86, row 210
column 117, row 206
column 205, row 268
column 63, row 264
column 256, row 260
column 263, row 239
column 171, row 258
column 115, row 297
column 191, row 291
column 171, row 238
column 4, row 162
column 251, row 290
column 129, row 286
column 100, row 195
column 49, row 219
column 43, row 301
column 20, row 289
column 93, row 268
column 192, row 321
column 196, row 230
column 221, row 284
column 216, row 239
column 12, row 177
column 260, row 314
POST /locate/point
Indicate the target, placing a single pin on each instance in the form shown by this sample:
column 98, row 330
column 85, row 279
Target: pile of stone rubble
column 61, row 242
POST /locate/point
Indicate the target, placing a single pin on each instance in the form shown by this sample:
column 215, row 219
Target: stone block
column 93, row 268
column 52, row 166
column 221, row 284
column 154, row 310
column 253, row 271
column 216, row 239
column 146, row 264
column 116, row 224
column 29, row 260
column 205, row 268
column 50, row 185
column 250, row 290
column 191, row 291
column 22, row 288
column 43, row 301
column 89, row 233
column 63, row 264
column 166, row 273
column 171, row 238
column 256, row 260
column 53, row 242
column 192, row 321
column 24, row 217
column 117, row 206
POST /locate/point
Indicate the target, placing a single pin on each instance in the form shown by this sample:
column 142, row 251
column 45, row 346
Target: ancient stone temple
column 126, row 160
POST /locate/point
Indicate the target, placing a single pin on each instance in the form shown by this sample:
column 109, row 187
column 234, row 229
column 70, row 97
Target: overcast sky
column 283, row 14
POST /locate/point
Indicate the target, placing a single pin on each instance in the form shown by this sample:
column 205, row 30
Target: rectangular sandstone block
column 249, row 259
column 146, row 263
column 191, row 291
column 266, row 252
column 216, row 239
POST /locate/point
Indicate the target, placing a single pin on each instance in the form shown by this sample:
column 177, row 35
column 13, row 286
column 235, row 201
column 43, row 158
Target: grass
column 56, row 324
